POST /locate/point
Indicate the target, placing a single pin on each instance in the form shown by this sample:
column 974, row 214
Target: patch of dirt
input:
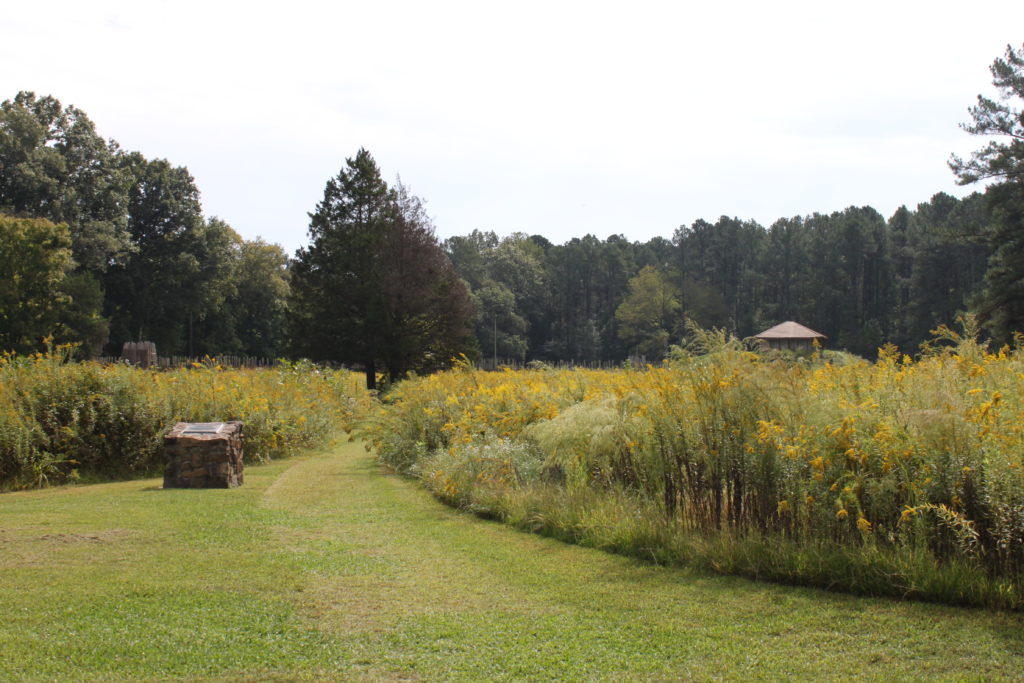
column 28, row 547
column 72, row 538
column 104, row 536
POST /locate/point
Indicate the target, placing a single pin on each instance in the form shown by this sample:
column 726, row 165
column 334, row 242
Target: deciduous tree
column 54, row 165
column 180, row 266
column 649, row 314
column 35, row 258
column 259, row 300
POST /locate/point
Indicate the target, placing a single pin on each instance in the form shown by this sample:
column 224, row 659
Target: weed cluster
column 898, row 477
column 61, row 421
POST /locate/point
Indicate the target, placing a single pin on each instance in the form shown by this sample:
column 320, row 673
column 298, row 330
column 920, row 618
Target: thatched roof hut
column 790, row 335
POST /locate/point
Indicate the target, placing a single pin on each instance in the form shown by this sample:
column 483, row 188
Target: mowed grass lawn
column 324, row 568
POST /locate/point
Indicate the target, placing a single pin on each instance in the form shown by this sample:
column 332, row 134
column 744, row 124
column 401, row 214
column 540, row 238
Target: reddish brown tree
column 374, row 288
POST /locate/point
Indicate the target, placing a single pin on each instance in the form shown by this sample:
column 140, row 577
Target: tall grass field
column 899, row 478
column 63, row 422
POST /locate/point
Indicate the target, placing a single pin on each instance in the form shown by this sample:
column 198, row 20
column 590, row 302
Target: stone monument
column 203, row 455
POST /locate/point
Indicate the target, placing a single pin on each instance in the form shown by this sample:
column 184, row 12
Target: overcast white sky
column 557, row 118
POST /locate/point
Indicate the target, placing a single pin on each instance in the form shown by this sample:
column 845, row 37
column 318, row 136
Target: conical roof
column 790, row 330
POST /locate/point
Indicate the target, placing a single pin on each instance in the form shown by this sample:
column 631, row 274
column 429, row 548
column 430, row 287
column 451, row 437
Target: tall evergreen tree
column 1001, row 160
column 785, row 263
column 374, row 287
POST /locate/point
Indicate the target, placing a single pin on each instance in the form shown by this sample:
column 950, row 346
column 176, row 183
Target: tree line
column 99, row 246
column 102, row 246
column 852, row 275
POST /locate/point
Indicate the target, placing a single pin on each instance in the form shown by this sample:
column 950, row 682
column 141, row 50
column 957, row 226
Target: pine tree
column 374, row 288
column 1001, row 160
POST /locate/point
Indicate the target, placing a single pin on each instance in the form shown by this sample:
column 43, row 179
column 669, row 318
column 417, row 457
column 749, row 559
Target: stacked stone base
column 210, row 459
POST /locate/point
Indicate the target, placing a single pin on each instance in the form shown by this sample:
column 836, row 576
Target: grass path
column 322, row 568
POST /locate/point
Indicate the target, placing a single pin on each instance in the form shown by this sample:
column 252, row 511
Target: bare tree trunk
column 371, row 375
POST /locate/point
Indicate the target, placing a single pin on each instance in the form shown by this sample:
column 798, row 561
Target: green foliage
column 588, row 279
column 54, row 165
column 189, row 283
column 861, row 280
column 167, row 274
column 258, row 299
column 145, row 264
column 35, row 258
column 180, row 271
column 1002, row 301
column 649, row 314
column 938, row 262
column 82, row 324
column 723, row 258
column 507, row 280
column 500, row 330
